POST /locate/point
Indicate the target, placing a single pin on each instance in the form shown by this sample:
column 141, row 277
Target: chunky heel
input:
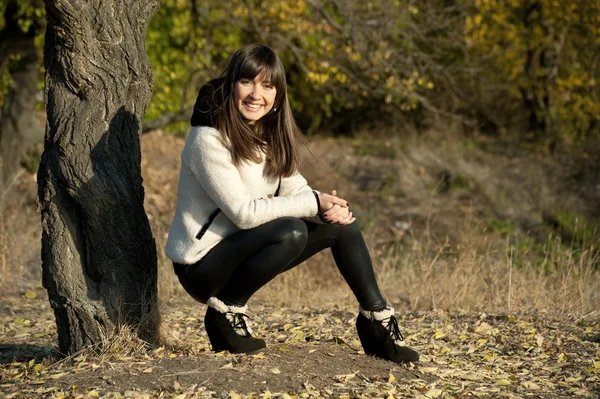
column 227, row 329
column 380, row 336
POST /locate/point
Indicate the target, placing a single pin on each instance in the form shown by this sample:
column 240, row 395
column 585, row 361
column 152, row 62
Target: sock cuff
column 377, row 315
column 221, row 307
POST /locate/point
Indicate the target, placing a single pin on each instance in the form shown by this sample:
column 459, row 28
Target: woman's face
column 254, row 98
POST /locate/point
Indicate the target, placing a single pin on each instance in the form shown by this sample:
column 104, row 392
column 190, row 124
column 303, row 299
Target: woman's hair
column 276, row 132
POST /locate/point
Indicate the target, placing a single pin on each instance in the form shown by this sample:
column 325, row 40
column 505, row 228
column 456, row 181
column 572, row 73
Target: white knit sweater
column 215, row 198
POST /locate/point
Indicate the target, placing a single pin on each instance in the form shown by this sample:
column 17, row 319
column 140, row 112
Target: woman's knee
column 290, row 230
column 345, row 230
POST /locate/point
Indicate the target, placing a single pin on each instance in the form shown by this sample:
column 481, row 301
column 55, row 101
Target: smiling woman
column 245, row 214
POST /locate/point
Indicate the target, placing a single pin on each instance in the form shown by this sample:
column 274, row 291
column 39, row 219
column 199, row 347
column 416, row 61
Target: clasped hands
column 334, row 210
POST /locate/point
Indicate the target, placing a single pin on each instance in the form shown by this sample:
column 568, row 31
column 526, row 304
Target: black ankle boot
column 380, row 336
column 227, row 329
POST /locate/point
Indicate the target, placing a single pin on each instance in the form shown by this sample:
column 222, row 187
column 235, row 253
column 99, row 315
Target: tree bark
column 98, row 254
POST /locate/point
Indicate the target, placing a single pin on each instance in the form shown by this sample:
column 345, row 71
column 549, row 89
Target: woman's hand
column 338, row 214
column 327, row 201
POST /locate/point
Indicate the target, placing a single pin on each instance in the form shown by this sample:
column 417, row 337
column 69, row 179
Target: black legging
column 245, row 261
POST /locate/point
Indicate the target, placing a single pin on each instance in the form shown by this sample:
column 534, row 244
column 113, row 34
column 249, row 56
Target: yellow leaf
column 428, row 369
column 531, row 385
column 93, row 394
column 312, row 350
column 275, row 370
column 30, row 295
column 228, row 366
column 181, row 396
column 57, row 376
column 234, row 395
column 392, row 378
column 147, row 371
column 433, row 393
column 503, row 383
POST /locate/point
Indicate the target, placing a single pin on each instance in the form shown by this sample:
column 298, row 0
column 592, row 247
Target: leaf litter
column 311, row 353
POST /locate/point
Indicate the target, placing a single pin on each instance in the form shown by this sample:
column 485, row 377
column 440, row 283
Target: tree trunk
column 539, row 64
column 98, row 254
column 18, row 127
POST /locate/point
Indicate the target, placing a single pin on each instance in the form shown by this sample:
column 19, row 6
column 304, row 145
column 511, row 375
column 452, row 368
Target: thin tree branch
column 167, row 119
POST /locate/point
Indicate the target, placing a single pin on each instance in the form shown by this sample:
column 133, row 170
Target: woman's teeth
column 253, row 106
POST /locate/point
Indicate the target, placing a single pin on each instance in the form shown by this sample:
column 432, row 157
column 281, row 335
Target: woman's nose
column 257, row 92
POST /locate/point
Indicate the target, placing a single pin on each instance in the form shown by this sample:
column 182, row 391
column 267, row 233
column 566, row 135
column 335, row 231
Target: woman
column 245, row 214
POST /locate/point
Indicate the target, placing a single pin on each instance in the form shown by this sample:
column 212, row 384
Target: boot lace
column 238, row 323
column 391, row 325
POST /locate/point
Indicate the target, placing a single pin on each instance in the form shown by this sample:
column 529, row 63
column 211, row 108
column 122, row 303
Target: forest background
column 467, row 129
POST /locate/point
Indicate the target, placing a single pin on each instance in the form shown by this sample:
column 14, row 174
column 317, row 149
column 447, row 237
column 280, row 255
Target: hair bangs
column 262, row 62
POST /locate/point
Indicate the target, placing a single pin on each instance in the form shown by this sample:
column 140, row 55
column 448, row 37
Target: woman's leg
column 233, row 271
column 245, row 261
column 376, row 324
column 351, row 256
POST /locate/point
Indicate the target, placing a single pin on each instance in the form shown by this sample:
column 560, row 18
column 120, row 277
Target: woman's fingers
column 339, row 201
column 339, row 217
column 327, row 201
column 331, row 211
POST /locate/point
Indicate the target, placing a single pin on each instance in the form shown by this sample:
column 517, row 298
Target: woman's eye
column 269, row 86
column 245, row 81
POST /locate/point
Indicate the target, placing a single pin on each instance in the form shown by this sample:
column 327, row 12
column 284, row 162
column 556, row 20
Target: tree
column 98, row 254
column 544, row 53
column 23, row 22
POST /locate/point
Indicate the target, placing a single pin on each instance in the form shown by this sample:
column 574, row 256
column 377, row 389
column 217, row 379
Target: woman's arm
column 338, row 214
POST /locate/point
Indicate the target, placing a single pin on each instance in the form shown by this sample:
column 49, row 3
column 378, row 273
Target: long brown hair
column 276, row 133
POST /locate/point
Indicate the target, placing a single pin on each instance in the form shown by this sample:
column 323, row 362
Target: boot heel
column 380, row 336
column 227, row 329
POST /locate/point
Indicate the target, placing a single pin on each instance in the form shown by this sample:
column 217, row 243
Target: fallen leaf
column 531, row 385
column 429, row 369
column 503, row 383
column 228, row 366
column 30, row 295
column 539, row 339
column 433, row 393
column 392, row 378
column 275, row 370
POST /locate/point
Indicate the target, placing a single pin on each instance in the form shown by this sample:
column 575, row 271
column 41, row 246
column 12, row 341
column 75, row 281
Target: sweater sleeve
column 296, row 184
column 210, row 161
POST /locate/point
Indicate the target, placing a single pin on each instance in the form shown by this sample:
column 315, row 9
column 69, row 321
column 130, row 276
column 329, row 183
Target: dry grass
column 450, row 224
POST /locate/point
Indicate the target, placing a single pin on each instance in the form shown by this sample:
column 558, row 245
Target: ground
column 311, row 353
column 522, row 332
